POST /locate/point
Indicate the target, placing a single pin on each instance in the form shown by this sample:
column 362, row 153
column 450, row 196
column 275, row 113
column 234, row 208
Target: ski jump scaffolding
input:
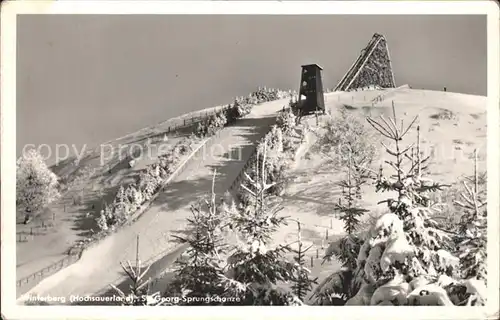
column 372, row 67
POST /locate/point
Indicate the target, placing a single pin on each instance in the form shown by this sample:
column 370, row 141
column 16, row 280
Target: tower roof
column 312, row 64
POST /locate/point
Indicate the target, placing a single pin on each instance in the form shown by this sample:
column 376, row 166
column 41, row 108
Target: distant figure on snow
column 131, row 163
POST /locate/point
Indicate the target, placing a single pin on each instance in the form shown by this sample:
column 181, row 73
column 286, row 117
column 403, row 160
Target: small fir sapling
column 201, row 271
column 412, row 205
column 351, row 191
column 405, row 242
column 138, row 294
column 253, row 264
column 302, row 283
column 337, row 288
column 471, row 239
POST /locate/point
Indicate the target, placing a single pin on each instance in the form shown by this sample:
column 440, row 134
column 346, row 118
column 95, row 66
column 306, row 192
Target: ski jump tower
column 311, row 88
column 372, row 68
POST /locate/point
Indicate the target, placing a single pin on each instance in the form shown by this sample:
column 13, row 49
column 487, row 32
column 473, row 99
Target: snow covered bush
column 347, row 136
column 121, row 206
column 36, row 184
column 264, row 94
column 242, row 107
column 286, row 121
column 276, row 164
column 232, row 113
column 102, row 221
column 217, row 122
column 107, row 220
column 210, row 126
column 149, row 181
column 169, row 161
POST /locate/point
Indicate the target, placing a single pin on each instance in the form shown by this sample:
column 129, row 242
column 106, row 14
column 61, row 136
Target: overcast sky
column 88, row 79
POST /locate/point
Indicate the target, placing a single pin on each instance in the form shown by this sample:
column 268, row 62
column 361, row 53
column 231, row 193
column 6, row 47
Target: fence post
column 312, row 262
column 137, row 251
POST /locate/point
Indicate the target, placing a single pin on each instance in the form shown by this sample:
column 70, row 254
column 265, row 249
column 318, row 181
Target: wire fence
column 28, row 282
column 385, row 94
column 179, row 123
column 194, row 120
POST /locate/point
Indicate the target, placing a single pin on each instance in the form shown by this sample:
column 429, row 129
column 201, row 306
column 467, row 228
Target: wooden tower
column 311, row 87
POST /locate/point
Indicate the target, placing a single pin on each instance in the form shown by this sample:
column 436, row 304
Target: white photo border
column 9, row 11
